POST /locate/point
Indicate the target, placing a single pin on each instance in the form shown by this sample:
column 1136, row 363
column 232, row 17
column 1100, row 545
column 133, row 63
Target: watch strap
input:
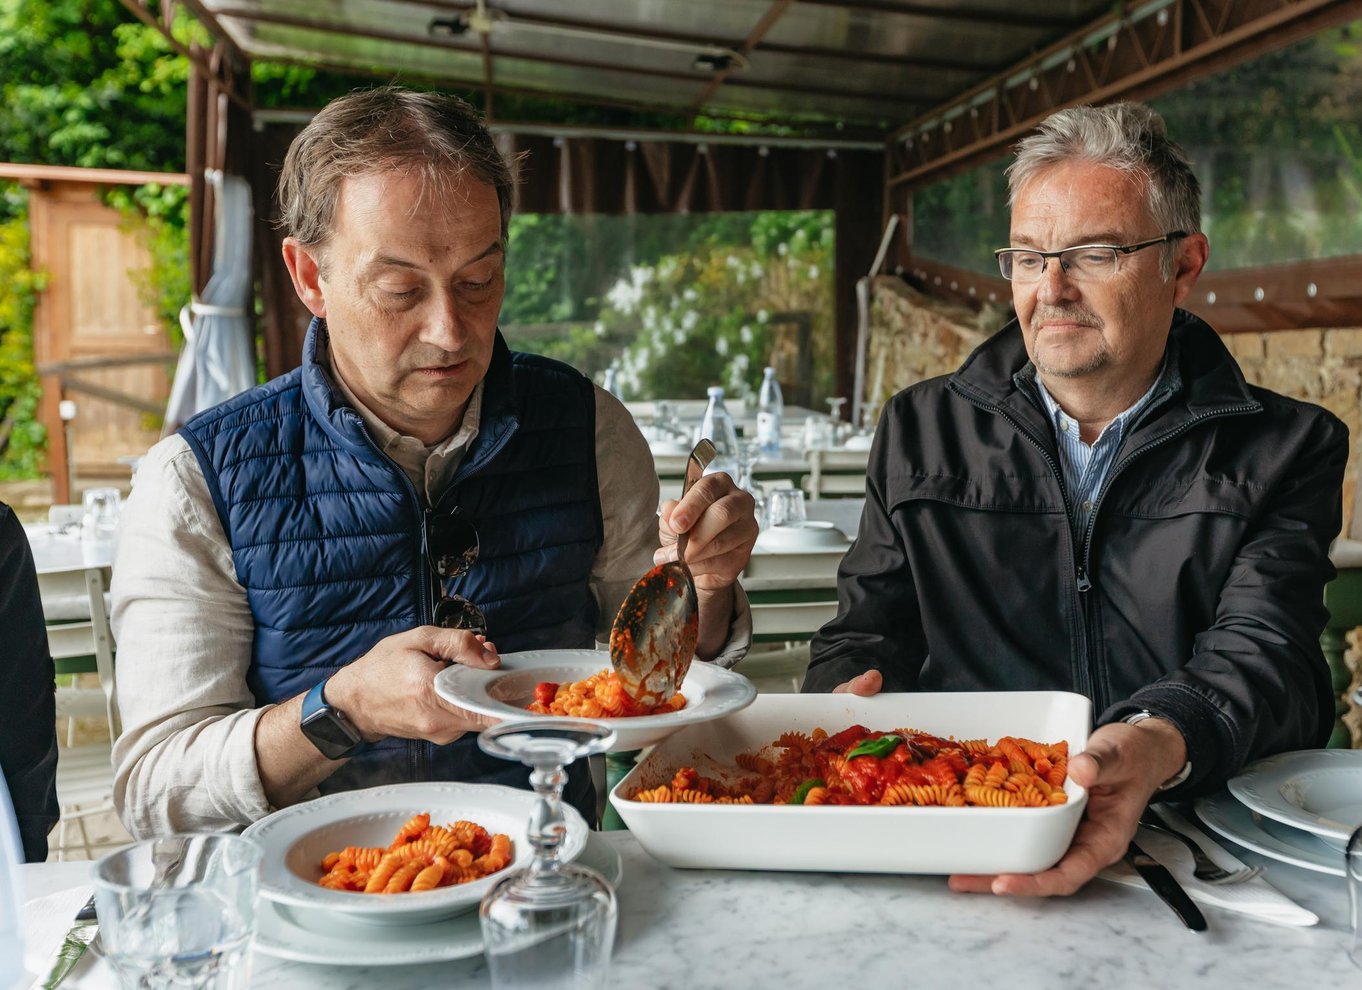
column 1135, row 718
column 315, row 710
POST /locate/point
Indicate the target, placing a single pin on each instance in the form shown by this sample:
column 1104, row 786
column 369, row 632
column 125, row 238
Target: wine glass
column 551, row 925
column 835, row 418
column 749, row 453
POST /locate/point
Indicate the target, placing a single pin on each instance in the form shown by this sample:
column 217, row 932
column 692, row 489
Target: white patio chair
column 85, row 772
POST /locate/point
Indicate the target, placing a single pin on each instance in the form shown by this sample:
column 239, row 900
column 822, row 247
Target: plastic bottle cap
column 715, row 392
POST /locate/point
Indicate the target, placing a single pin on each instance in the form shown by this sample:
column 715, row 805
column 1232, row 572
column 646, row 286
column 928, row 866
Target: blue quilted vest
column 325, row 534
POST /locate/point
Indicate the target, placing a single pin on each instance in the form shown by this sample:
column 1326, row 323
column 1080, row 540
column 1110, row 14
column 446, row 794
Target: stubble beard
column 1096, row 361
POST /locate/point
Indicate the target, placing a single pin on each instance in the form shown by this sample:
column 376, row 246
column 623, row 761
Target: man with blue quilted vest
column 288, row 581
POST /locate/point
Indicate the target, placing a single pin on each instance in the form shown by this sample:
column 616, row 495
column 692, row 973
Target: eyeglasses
column 1092, row 262
column 451, row 543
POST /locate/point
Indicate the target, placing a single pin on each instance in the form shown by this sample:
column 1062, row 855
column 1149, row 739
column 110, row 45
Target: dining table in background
column 689, row 412
column 54, row 552
column 700, row 929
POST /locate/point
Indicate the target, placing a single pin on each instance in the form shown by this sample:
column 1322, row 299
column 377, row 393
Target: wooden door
column 91, row 308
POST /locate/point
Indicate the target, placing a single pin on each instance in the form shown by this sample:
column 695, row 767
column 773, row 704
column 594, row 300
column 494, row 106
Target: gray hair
column 1129, row 137
column 435, row 135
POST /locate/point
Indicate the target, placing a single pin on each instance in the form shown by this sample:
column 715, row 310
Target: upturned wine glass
column 551, row 925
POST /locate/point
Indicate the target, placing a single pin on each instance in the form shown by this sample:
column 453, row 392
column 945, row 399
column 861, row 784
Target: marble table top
column 698, row 929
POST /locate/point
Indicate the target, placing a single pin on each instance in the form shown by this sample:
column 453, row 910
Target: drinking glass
column 551, row 925
column 1353, row 865
column 835, row 425
column 818, row 433
column 785, row 507
column 102, row 507
column 749, row 453
column 179, row 911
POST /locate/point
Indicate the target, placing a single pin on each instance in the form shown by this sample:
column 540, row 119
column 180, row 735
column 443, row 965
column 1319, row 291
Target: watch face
column 330, row 733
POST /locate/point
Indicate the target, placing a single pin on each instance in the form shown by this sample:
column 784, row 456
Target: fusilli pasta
column 902, row 767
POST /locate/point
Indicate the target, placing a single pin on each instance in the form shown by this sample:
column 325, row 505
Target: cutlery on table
column 652, row 641
column 82, row 932
column 1207, row 870
column 1162, row 883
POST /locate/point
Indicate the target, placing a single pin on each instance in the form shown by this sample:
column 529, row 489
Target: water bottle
column 717, row 424
column 770, row 410
column 612, row 384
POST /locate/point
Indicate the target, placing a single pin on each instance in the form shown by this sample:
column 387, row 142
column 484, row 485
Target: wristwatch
column 1181, row 776
column 328, row 728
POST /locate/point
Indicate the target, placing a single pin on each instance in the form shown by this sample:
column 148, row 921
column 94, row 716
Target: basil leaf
column 802, row 791
column 878, row 748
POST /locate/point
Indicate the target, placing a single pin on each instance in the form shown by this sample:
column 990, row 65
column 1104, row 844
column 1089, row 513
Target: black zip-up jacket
column 28, row 733
column 1195, row 591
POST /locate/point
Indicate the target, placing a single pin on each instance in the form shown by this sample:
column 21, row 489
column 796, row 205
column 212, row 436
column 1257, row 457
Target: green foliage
column 85, row 83
column 702, row 316
column 22, row 453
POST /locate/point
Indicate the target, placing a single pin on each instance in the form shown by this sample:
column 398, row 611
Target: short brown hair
column 373, row 130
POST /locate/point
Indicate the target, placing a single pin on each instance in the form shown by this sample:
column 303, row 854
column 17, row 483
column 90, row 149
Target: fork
column 1207, row 870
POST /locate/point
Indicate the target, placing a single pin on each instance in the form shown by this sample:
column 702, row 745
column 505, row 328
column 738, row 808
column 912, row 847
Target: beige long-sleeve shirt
column 186, row 759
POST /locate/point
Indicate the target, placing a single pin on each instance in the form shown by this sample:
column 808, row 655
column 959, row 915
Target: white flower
column 625, row 296
column 689, row 320
column 762, row 316
column 721, row 346
column 599, row 329
column 690, row 295
column 782, row 249
column 745, row 335
column 813, row 272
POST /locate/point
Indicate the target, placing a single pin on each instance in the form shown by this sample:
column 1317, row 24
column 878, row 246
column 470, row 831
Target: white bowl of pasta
column 423, row 851
column 931, row 769
column 709, row 692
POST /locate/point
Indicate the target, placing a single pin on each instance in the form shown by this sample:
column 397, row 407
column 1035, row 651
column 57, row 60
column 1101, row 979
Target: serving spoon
column 652, row 641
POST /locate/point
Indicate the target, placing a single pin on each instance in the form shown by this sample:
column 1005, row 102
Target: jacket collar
column 1199, row 378
column 345, row 427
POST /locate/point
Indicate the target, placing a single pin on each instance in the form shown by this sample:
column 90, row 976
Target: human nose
column 1055, row 283
column 443, row 326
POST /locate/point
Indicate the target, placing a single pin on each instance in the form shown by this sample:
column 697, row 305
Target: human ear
column 1193, row 252
column 304, row 267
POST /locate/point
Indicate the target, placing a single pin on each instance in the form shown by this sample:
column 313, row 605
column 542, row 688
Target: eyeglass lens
column 1027, row 266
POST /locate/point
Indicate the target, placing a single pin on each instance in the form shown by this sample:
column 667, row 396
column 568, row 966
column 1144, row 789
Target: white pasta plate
column 1241, row 824
column 314, row 937
column 812, row 534
column 711, row 692
column 294, row 841
column 1316, row 790
column 859, row 839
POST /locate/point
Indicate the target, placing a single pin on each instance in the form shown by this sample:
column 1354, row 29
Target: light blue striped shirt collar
column 1086, row 466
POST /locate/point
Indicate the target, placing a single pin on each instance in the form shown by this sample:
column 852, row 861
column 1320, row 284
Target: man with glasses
column 1098, row 502
column 296, row 565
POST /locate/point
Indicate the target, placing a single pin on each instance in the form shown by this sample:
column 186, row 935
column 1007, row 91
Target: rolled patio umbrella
column 218, row 358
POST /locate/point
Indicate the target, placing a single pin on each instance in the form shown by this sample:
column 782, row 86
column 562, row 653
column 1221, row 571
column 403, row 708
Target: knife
column 77, row 940
column 1162, row 883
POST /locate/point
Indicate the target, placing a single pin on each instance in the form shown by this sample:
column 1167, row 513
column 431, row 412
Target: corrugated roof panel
column 822, row 60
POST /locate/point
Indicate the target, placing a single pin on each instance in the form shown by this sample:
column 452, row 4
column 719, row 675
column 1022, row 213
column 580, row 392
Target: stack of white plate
column 1299, row 808
column 298, row 920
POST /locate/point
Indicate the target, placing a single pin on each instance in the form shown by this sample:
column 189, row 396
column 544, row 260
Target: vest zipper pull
column 1083, row 583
